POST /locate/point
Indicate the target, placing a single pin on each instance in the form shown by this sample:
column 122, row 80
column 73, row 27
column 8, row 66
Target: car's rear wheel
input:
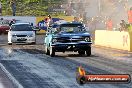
column 52, row 52
column 88, row 51
column 33, row 43
column 81, row 52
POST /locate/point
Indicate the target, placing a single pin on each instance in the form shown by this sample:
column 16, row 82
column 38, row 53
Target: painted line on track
column 15, row 82
column 3, row 44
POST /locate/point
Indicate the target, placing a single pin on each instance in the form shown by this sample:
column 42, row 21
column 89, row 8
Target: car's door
column 9, row 35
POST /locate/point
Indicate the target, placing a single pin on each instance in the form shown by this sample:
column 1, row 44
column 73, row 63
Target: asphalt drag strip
column 33, row 69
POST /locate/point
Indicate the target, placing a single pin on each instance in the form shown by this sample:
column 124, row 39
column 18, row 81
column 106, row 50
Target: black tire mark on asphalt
column 32, row 51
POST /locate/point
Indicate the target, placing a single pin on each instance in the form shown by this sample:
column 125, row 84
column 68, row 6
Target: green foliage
column 30, row 7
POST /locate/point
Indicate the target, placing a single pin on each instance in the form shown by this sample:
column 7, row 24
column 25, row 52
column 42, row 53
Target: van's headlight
column 87, row 39
column 54, row 40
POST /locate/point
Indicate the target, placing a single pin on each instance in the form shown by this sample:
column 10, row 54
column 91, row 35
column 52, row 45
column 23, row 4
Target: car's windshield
column 21, row 27
column 71, row 28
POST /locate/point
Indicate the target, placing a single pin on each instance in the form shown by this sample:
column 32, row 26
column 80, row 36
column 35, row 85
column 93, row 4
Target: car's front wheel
column 34, row 43
column 9, row 43
column 52, row 52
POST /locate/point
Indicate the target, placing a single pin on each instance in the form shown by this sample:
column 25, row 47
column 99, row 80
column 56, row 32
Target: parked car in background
column 68, row 37
column 4, row 26
column 21, row 33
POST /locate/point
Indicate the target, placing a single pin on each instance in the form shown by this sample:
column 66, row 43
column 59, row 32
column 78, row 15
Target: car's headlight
column 87, row 39
column 54, row 40
column 30, row 35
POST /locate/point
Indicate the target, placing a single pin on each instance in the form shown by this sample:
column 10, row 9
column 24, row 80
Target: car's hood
column 22, row 32
column 4, row 27
column 72, row 34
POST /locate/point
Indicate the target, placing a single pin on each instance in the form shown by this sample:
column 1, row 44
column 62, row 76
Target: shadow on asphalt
column 26, row 44
column 75, row 55
column 32, row 51
column 37, row 51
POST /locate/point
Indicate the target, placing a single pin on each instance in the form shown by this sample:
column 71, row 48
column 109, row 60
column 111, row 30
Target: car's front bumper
column 71, row 46
column 23, row 40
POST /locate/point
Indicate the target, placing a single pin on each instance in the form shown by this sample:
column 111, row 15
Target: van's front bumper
column 71, row 46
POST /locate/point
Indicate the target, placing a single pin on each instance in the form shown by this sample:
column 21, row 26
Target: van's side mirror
column 87, row 29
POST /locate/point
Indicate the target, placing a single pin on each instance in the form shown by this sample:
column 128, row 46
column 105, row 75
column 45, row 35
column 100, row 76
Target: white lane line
column 3, row 44
column 1, row 85
column 15, row 82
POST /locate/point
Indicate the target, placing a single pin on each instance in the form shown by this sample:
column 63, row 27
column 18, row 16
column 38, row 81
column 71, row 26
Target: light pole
column 99, row 6
column 13, row 6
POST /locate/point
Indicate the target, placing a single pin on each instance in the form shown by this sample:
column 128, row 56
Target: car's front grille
column 21, row 35
column 21, row 39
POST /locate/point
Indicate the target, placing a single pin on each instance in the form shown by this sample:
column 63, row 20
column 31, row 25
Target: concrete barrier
column 114, row 39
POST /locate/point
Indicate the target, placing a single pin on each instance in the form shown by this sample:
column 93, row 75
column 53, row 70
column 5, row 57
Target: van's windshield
column 72, row 28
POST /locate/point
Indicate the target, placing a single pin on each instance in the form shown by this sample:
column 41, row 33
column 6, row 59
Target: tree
column 29, row 7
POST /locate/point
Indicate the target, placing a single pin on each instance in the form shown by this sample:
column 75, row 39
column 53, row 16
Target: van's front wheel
column 47, row 51
column 88, row 51
column 52, row 52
